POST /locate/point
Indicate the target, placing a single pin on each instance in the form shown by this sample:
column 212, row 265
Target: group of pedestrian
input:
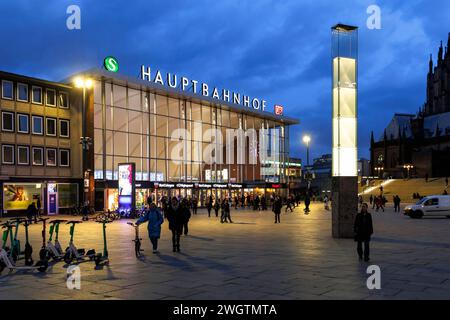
column 176, row 211
column 378, row 202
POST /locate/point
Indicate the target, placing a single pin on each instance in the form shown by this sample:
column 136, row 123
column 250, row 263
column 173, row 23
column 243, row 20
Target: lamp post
column 84, row 84
column 408, row 167
column 307, row 140
column 378, row 170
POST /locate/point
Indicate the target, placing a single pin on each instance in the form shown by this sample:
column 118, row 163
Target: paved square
column 252, row 258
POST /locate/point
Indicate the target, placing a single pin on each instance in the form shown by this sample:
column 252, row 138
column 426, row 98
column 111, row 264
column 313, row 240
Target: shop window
column 23, row 156
column 22, row 92
column 36, row 95
column 50, row 126
column 64, row 158
column 67, row 195
column 50, row 97
column 7, row 89
column 37, row 156
column 20, row 196
column 7, row 154
column 51, row 157
column 23, row 123
column 37, row 125
column 63, row 98
column 8, row 121
column 64, row 128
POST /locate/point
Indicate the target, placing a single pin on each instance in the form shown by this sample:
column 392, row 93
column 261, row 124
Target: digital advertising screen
column 126, row 186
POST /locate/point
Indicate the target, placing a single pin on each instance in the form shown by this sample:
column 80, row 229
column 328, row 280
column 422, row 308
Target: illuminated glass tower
column 344, row 56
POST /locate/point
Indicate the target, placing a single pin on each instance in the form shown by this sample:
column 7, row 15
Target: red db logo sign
column 278, row 110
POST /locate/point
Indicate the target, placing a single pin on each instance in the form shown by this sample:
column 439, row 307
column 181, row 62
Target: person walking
column 175, row 218
column 307, row 202
column 217, row 207
column 31, row 212
column 194, row 205
column 236, row 202
column 209, row 205
column 289, row 204
column 396, row 203
column 263, row 203
column 155, row 219
column 325, row 202
column 226, row 216
column 277, row 204
column 186, row 215
column 371, row 200
column 39, row 206
column 363, row 229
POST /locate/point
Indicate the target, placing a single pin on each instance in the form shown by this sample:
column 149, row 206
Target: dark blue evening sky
column 277, row 50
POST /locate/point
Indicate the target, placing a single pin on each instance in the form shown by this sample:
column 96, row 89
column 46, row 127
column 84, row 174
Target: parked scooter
column 102, row 258
column 49, row 250
column 137, row 240
column 6, row 258
column 72, row 253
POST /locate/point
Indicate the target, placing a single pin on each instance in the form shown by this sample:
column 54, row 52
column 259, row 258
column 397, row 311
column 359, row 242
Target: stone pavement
column 252, row 258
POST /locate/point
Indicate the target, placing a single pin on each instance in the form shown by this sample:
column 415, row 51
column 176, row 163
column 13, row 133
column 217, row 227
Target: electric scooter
column 50, row 250
column 72, row 253
column 6, row 259
column 137, row 240
column 28, row 252
column 15, row 242
column 102, row 259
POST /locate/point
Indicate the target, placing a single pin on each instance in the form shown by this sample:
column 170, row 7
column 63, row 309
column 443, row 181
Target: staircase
column 404, row 188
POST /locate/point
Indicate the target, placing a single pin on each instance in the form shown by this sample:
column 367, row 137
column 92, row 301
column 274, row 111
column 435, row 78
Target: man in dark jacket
column 363, row 228
column 186, row 213
column 277, row 204
column 176, row 220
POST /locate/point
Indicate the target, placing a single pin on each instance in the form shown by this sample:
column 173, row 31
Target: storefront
column 55, row 197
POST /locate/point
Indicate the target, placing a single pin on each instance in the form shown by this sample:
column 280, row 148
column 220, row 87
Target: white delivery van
column 430, row 206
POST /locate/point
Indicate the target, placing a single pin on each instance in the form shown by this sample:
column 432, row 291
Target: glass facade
column 169, row 138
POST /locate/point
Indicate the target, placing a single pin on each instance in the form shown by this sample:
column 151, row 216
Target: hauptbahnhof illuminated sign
column 203, row 89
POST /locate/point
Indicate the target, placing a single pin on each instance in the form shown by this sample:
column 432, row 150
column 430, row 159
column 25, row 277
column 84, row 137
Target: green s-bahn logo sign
column 111, row 64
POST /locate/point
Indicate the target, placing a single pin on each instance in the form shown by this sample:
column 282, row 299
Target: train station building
column 177, row 136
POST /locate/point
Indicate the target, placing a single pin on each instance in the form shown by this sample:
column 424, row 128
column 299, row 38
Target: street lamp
column 408, row 167
column 85, row 84
column 307, row 140
column 378, row 170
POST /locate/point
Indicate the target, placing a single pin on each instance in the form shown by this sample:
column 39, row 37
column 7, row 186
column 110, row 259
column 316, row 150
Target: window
column 63, row 98
column 22, row 92
column 23, row 123
column 8, row 121
column 50, row 97
column 7, row 154
column 432, row 202
column 64, row 157
column 36, row 96
column 37, row 156
column 64, row 128
column 7, row 89
column 51, row 157
column 23, row 155
column 50, row 126
column 37, row 124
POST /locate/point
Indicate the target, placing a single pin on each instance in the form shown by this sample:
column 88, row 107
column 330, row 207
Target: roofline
column 20, row 77
column 98, row 73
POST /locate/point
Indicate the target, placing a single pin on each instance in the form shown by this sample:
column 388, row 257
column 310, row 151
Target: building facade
column 39, row 144
column 419, row 144
column 135, row 121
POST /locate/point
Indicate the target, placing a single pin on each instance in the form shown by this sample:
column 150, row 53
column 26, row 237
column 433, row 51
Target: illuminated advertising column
column 126, row 183
column 344, row 55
